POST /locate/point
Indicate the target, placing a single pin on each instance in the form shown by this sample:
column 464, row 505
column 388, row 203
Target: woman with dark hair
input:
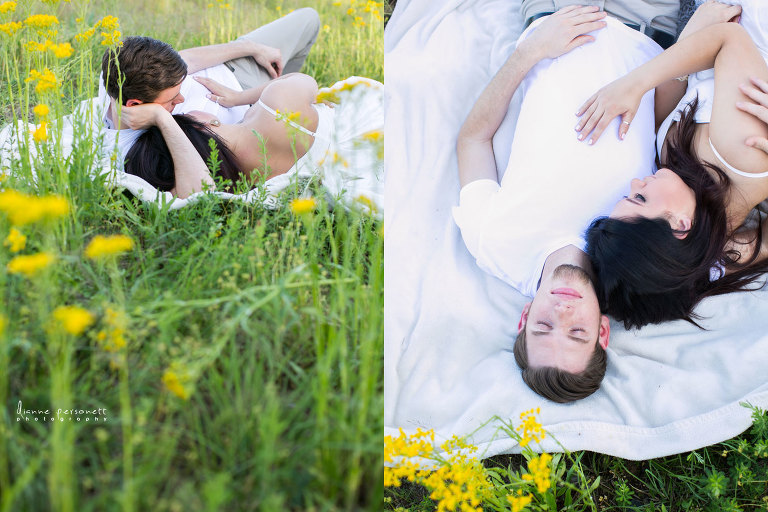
column 284, row 131
column 679, row 235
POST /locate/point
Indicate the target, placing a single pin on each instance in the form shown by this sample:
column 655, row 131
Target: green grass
column 272, row 321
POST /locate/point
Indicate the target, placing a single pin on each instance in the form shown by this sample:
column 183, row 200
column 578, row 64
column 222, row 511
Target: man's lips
column 566, row 292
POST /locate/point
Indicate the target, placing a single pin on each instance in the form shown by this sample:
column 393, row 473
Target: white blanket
column 449, row 327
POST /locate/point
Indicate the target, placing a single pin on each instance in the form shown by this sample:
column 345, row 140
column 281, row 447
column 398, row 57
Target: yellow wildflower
column 374, row 136
column 351, row 11
column 326, row 28
column 3, row 323
column 16, row 241
column 73, row 319
column 520, row 501
column 62, row 51
column 303, row 205
column 34, row 46
column 41, row 110
column 30, row 265
column 113, row 338
column 85, row 36
column 174, row 384
column 105, row 246
column 367, row 202
column 7, row 7
column 539, row 472
column 10, row 28
column 532, row 429
column 45, row 80
column 41, row 21
column 111, row 38
column 23, row 209
column 108, row 23
column 41, row 133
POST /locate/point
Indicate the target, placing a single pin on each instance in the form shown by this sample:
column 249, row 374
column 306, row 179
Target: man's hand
column 563, row 31
column 146, row 115
column 710, row 13
column 220, row 94
column 758, row 92
column 269, row 58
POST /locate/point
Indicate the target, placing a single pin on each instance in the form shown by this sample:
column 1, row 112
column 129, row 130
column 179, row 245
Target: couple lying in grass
column 651, row 254
column 246, row 101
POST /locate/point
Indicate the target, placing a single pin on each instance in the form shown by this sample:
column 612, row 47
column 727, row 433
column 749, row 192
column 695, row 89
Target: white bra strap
column 291, row 123
column 733, row 169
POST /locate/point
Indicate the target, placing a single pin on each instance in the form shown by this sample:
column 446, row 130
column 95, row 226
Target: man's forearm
column 474, row 146
column 203, row 57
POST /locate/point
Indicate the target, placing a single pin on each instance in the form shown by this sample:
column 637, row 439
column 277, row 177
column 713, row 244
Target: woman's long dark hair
column 645, row 274
column 150, row 159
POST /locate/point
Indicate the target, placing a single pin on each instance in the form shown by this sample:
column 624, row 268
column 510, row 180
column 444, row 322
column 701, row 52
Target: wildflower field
column 219, row 357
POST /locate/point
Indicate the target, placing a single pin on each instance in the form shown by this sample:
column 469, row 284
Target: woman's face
column 661, row 195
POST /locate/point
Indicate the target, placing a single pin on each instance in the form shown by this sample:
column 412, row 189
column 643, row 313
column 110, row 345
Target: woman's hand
column 563, row 31
column 620, row 98
column 220, row 94
column 710, row 13
column 758, row 92
column 143, row 116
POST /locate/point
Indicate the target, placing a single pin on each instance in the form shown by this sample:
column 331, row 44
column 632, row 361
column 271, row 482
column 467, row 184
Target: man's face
column 563, row 322
column 170, row 97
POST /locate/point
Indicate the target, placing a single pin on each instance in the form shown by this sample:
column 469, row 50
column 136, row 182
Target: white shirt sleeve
column 470, row 215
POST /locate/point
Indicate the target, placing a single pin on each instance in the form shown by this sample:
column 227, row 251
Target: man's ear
column 523, row 318
column 605, row 332
column 133, row 103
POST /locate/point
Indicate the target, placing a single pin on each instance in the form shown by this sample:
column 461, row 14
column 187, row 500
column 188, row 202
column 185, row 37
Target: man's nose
column 563, row 308
column 179, row 99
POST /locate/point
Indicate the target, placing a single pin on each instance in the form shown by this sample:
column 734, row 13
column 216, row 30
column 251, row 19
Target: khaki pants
column 659, row 14
column 294, row 34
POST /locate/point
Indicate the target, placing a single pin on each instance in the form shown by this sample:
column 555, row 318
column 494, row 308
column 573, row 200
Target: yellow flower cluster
column 60, row 51
column 374, row 136
column 45, row 80
column 539, row 472
column 41, row 21
column 10, row 28
column 303, row 205
column 24, row 209
column 519, row 501
column 367, row 202
column 405, row 447
column 110, row 34
column 113, row 337
column 3, row 323
column 7, row 7
column 16, row 241
column 331, row 94
column 458, row 483
column 41, row 110
column 31, row 264
column 85, row 35
column 105, row 246
column 174, row 384
column 40, row 134
column 73, row 319
column 530, row 427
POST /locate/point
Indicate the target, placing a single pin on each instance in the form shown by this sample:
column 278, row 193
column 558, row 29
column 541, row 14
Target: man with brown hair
column 527, row 230
column 145, row 70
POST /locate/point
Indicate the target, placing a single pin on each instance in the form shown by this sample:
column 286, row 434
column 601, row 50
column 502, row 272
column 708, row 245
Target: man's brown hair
column 559, row 385
column 148, row 67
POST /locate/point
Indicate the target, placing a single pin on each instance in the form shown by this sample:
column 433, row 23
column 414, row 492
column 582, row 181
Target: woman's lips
column 567, row 292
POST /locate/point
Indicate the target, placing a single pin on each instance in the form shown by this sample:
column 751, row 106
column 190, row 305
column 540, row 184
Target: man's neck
column 568, row 255
column 112, row 115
